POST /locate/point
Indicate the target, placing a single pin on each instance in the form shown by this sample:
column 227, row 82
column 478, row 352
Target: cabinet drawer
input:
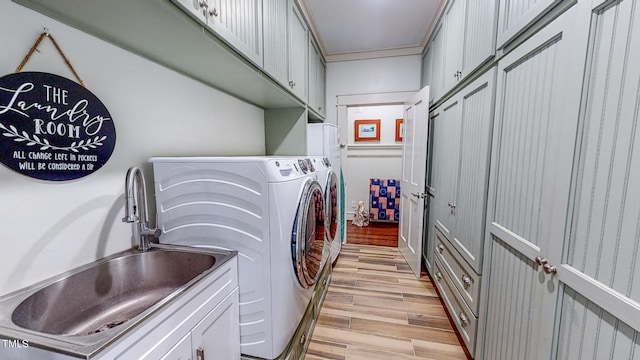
column 463, row 277
column 465, row 320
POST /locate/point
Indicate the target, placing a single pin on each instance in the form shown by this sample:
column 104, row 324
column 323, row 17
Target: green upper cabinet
column 464, row 39
column 516, row 16
column 285, row 46
column 276, row 46
column 237, row 22
column 453, row 47
column 427, row 69
column 317, row 72
column 298, row 56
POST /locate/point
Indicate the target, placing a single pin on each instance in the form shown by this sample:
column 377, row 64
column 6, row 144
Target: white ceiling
column 357, row 29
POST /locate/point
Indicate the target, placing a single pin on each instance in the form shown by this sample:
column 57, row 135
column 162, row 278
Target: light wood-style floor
column 376, row 308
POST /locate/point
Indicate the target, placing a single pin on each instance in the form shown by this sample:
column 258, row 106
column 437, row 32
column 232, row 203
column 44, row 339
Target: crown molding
column 374, row 54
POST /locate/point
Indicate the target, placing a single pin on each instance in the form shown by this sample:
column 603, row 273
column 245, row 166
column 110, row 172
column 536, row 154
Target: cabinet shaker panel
column 479, row 34
column 516, row 15
column 437, row 67
column 297, row 52
column 239, row 22
column 454, row 43
column 276, row 53
column 473, row 170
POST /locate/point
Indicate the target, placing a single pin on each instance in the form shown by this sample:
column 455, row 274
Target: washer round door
column 307, row 237
column 331, row 205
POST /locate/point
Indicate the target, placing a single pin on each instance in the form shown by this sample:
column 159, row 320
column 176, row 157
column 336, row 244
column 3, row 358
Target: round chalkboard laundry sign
column 52, row 128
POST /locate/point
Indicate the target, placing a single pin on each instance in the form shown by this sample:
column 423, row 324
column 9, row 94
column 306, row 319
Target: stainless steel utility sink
column 96, row 303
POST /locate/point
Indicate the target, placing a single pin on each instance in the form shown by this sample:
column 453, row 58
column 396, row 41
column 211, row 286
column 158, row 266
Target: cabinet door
column 515, row 16
column 196, row 8
column 476, row 119
column 537, row 106
column 427, row 62
column 479, row 34
column 437, row 71
column 314, row 57
column 239, row 23
column 599, row 313
column 276, row 46
column 322, row 87
column 182, row 350
column 297, row 52
column 217, row 336
column 454, row 43
column 433, row 186
column 445, row 162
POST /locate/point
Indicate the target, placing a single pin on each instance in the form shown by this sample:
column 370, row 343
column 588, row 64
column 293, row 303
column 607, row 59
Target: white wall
column 49, row 227
column 365, row 160
column 381, row 75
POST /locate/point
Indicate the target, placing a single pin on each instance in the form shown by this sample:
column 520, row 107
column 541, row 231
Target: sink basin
column 86, row 309
column 110, row 293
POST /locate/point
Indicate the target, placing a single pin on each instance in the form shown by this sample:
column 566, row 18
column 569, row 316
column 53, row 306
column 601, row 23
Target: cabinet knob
column 303, row 338
column 466, row 280
column 463, row 319
column 440, row 247
column 203, row 4
column 213, row 12
column 439, row 275
column 549, row 269
column 540, row 260
column 200, row 354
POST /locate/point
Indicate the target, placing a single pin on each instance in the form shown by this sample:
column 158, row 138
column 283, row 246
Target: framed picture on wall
column 367, row 130
column 399, row 129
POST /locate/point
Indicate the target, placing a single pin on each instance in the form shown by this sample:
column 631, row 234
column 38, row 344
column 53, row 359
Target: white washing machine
column 323, row 139
column 328, row 180
column 267, row 209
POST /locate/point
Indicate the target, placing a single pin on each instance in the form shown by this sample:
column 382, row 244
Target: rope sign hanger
column 46, row 34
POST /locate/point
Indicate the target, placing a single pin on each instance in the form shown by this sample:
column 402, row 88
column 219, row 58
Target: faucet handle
column 130, row 218
column 145, row 230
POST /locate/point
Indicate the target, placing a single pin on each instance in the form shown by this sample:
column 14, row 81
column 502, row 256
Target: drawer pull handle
column 463, row 319
column 302, row 339
column 200, row 353
column 439, row 275
column 440, row 247
column 466, row 281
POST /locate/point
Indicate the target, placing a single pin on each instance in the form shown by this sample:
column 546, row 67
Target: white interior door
column 412, row 184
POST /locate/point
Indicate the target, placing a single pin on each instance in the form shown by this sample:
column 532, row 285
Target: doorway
column 366, row 159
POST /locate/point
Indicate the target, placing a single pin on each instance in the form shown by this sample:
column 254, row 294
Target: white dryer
column 269, row 210
column 328, row 180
